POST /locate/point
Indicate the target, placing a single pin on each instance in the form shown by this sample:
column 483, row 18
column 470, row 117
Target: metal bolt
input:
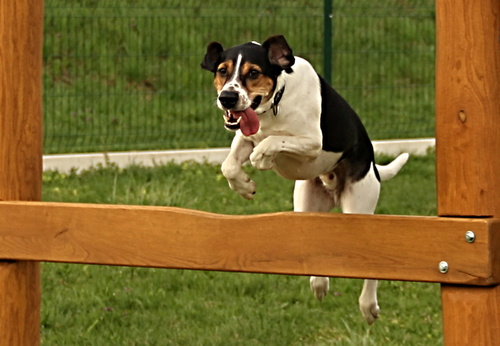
column 470, row 236
column 443, row 267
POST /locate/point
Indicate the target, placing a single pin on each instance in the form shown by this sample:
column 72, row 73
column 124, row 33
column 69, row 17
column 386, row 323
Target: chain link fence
column 125, row 75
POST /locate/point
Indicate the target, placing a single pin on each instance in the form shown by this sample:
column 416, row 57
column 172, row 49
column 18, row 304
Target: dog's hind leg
column 310, row 195
column 361, row 197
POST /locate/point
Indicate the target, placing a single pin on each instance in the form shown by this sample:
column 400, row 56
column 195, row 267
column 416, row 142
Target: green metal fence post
column 327, row 40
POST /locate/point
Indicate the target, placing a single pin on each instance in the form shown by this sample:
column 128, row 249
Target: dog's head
column 245, row 76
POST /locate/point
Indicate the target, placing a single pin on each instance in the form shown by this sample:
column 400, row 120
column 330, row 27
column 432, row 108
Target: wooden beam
column 21, row 24
column 468, row 107
column 467, row 146
column 356, row 246
column 470, row 315
column 20, row 291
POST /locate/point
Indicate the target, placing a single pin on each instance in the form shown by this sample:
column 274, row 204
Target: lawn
column 100, row 305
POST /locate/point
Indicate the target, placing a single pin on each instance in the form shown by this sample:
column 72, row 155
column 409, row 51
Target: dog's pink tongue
column 249, row 123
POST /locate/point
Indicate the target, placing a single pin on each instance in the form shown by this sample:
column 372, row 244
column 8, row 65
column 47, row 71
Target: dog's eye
column 253, row 74
column 222, row 71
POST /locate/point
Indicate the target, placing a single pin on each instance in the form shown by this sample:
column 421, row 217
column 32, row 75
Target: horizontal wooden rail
column 355, row 246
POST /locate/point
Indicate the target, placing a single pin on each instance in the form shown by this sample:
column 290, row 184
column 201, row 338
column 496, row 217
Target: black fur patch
column 343, row 132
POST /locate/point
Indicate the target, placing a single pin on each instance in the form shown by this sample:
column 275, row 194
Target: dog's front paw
column 245, row 187
column 320, row 286
column 262, row 160
column 370, row 311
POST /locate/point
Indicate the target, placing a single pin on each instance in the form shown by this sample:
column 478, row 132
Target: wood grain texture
column 20, row 291
column 468, row 107
column 21, row 24
column 21, row 99
column 358, row 246
column 467, row 146
column 471, row 315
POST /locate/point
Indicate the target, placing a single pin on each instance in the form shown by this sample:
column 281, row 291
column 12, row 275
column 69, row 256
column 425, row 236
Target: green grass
column 99, row 305
column 125, row 75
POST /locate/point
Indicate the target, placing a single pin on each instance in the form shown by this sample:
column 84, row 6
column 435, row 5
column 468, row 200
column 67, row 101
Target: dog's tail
column 390, row 170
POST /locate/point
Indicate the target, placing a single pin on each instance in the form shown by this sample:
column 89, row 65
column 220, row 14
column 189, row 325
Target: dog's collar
column 276, row 100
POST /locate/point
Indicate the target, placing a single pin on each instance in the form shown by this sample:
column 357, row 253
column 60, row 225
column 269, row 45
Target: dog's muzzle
column 246, row 120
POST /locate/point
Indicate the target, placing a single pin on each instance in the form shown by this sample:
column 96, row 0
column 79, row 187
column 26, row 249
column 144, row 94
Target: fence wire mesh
column 125, row 75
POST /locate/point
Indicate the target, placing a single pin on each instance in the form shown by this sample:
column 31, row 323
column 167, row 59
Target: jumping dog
column 289, row 119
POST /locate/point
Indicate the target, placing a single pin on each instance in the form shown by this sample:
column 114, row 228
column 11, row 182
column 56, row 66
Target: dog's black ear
column 212, row 58
column 279, row 52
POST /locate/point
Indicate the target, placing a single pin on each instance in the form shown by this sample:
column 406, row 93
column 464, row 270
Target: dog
column 287, row 118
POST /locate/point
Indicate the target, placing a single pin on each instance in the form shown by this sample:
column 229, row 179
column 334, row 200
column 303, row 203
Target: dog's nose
column 228, row 99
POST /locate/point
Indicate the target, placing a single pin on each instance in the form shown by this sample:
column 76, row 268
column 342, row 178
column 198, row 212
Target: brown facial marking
column 223, row 73
column 255, row 82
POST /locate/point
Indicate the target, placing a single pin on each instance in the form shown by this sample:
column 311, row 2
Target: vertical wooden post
column 468, row 148
column 21, row 23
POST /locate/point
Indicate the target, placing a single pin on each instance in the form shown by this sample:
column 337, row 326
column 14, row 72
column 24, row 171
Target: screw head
column 470, row 237
column 443, row 267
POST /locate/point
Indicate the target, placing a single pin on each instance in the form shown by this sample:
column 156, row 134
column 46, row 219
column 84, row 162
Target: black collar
column 277, row 99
